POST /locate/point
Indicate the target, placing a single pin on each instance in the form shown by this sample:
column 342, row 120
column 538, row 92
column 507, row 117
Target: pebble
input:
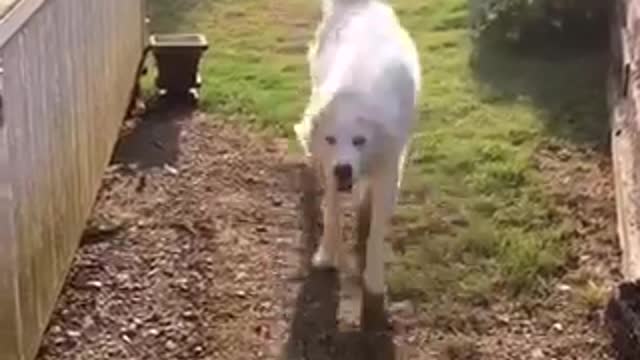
column 170, row 169
column 94, row 284
column 56, row 329
column 87, row 322
column 189, row 315
column 537, row 354
column 558, row 327
column 504, row 319
column 241, row 275
column 170, row 345
column 73, row 333
column 123, row 277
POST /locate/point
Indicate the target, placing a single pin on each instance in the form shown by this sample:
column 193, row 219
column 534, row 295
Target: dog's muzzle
column 344, row 177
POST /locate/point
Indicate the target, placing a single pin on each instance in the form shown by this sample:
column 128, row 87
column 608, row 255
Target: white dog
column 365, row 77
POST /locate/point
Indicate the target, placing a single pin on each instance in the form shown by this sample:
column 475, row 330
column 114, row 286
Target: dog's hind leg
column 328, row 253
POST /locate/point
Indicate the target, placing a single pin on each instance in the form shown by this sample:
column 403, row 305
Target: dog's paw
column 323, row 259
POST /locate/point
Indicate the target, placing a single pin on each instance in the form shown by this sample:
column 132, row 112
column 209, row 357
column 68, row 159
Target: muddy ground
column 198, row 248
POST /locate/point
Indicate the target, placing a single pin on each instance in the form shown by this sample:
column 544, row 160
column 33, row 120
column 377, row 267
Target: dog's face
column 344, row 144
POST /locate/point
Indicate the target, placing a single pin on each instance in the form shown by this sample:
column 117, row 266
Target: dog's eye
column 359, row 141
column 331, row 140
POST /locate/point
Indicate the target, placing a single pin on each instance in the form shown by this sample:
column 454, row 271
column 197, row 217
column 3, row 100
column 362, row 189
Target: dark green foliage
column 578, row 22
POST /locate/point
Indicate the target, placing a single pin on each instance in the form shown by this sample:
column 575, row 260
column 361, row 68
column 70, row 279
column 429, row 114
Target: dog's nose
column 343, row 172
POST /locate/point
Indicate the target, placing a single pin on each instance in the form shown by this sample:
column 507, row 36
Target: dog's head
column 345, row 141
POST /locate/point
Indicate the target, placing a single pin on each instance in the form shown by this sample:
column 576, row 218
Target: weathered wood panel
column 624, row 99
column 624, row 102
column 68, row 70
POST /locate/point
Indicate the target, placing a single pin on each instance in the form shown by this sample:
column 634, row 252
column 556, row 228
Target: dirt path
column 198, row 248
column 182, row 256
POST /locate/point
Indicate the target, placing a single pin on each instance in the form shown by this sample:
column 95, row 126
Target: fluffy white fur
column 365, row 78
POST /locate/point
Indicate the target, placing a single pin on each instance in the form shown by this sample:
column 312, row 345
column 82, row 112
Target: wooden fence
column 623, row 312
column 68, row 68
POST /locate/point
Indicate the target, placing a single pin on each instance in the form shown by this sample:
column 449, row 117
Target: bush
column 518, row 20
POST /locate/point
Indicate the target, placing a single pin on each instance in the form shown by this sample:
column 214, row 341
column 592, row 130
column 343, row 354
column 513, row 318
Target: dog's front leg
column 384, row 192
column 383, row 198
column 327, row 255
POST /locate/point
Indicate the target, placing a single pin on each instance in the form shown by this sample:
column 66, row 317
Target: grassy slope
column 473, row 217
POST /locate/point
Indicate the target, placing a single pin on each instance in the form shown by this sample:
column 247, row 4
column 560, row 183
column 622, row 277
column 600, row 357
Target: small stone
column 537, row 354
column 170, row 345
column 87, row 322
column 170, row 169
column 241, row 275
column 73, row 333
column 153, row 332
column 56, row 329
column 504, row 319
column 558, row 327
column 564, row 155
column 94, row 284
column 564, row 287
column 189, row 315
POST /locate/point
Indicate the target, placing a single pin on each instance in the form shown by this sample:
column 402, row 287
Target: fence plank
column 69, row 66
column 623, row 88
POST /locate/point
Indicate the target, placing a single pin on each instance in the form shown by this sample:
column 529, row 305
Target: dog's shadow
column 314, row 333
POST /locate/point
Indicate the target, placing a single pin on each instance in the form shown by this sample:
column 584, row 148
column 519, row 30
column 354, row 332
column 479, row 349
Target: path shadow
column 566, row 81
column 152, row 140
column 314, row 333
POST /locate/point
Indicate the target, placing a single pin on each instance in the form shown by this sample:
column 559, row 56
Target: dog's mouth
column 345, row 186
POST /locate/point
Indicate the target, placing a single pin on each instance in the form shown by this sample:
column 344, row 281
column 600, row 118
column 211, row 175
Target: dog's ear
column 307, row 128
column 303, row 133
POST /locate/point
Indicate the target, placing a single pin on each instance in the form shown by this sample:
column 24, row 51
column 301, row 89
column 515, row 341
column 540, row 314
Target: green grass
column 474, row 217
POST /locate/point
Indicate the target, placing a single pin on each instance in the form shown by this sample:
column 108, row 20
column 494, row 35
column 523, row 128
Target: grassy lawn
column 474, row 219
